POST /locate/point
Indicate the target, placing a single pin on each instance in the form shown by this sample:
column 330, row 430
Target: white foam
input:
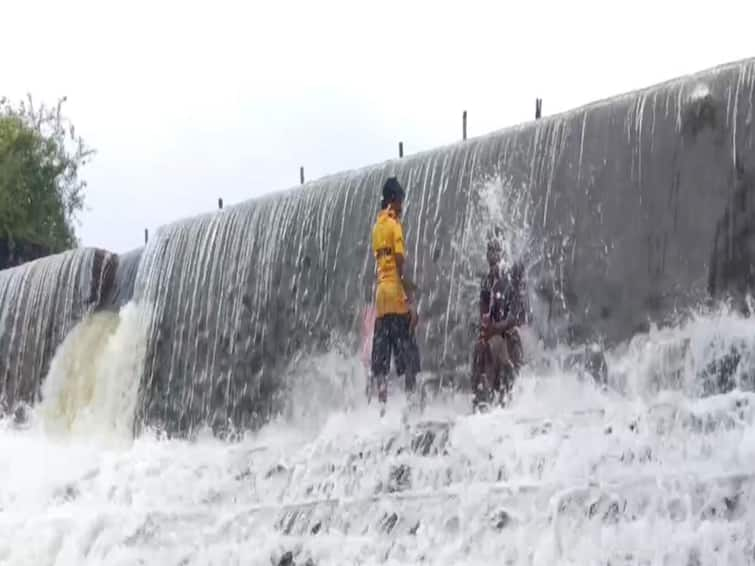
column 91, row 387
column 651, row 473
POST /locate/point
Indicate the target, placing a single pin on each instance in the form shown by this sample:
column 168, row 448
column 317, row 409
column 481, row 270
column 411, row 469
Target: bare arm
column 503, row 326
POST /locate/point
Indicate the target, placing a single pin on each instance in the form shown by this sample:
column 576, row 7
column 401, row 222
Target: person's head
column 494, row 252
column 393, row 195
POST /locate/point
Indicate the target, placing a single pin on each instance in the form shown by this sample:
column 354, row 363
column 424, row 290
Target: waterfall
column 40, row 302
column 93, row 382
column 626, row 212
column 615, row 209
column 628, row 436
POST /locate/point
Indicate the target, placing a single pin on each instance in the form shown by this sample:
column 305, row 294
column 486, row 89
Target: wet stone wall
column 625, row 212
column 40, row 302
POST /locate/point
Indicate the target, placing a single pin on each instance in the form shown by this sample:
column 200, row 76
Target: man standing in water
column 396, row 317
column 498, row 353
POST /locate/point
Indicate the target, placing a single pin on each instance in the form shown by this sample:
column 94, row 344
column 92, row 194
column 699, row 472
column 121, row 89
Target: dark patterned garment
column 515, row 295
column 504, row 296
column 492, row 291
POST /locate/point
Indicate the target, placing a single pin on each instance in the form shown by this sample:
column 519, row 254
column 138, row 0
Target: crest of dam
column 627, row 212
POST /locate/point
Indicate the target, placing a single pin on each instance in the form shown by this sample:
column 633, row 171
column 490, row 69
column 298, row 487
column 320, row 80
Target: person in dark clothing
column 498, row 355
column 515, row 308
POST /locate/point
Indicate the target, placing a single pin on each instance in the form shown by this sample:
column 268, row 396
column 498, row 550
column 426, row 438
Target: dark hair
column 392, row 191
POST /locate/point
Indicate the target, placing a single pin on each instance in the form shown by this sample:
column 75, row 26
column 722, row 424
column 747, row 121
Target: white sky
column 188, row 101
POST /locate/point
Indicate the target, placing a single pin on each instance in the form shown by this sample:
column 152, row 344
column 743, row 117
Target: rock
column 21, row 415
column 719, row 375
column 276, row 470
column 452, row 525
column 501, row 520
column 388, row 522
column 399, row 478
column 431, row 438
column 67, row 493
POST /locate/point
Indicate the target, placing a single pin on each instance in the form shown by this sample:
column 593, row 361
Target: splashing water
column 92, row 385
column 239, row 314
column 651, row 469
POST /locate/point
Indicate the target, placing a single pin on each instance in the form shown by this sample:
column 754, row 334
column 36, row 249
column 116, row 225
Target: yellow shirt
column 387, row 243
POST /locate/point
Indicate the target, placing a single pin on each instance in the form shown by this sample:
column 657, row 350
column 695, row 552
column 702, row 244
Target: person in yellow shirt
column 395, row 316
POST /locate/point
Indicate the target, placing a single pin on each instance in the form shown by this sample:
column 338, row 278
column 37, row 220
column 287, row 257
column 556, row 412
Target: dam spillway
column 626, row 212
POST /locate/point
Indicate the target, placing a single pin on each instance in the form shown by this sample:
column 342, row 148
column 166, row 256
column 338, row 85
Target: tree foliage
column 41, row 191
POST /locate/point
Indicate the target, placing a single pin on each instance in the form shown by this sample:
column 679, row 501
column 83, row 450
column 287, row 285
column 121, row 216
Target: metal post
column 220, row 203
column 401, row 149
column 464, row 125
column 538, row 108
column 146, row 235
column 301, row 174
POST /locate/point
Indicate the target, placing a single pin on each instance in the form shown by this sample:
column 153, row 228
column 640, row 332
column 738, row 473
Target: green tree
column 41, row 191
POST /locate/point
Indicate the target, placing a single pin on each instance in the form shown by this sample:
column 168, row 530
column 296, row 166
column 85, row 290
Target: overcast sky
column 187, row 101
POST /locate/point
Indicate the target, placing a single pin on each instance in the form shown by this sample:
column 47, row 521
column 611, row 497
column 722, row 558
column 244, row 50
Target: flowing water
column 651, row 469
column 621, row 211
column 201, row 401
column 40, row 303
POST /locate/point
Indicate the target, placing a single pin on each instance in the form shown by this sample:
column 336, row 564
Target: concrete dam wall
column 625, row 212
column 40, row 302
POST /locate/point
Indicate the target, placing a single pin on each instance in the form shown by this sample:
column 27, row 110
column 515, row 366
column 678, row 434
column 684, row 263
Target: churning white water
column 645, row 471
column 91, row 388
